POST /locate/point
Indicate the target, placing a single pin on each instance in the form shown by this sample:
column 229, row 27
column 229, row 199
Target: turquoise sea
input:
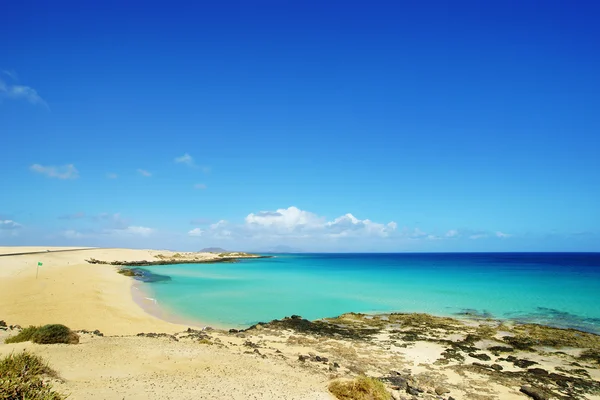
column 557, row 289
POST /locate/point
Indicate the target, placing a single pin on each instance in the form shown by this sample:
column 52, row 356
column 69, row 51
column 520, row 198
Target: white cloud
column 221, row 230
column 9, row 224
column 63, row 172
column 452, row 233
column 196, row 232
column 285, row 219
column 415, row 233
column 137, row 230
column 503, row 235
column 112, row 176
column 20, row 92
column 349, row 225
column 143, row 172
column 299, row 223
column 222, row 223
column 187, row 160
column 200, row 186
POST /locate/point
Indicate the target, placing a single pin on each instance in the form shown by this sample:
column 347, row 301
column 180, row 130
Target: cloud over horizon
column 9, row 224
column 59, row 172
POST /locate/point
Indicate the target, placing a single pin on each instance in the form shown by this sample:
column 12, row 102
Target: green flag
column 39, row 264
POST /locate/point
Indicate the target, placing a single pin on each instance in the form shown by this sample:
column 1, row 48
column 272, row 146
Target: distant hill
column 213, row 250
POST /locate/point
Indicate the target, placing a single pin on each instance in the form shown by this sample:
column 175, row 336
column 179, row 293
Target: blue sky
column 324, row 126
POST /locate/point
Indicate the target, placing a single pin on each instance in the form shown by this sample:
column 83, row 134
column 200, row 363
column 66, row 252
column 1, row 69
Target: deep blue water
column 557, row 289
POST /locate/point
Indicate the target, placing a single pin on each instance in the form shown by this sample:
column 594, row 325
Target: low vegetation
column 591, row 355
column 55, row 333
column 22, row 377
column 47, row 334
column 528, row 335
column 23, row 336
column 361, row 388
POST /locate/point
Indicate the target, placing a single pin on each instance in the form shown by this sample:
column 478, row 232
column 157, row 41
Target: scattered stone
column 524, row 363
column 496, row 367
column 303, row 358
column 534, row 393
column 500, row 349
column 2, row 324
column 158, row 335
column 336, row 365
column 440, row 390
column 248, row 343
column 98, row 333
column 482, row 356
column 396, row 381
column 295, row 317
column 413, row 391
column 240, row 335
column 233, row 331
column 537, row 371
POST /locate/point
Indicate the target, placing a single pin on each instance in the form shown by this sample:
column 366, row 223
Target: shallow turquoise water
column 551, row 288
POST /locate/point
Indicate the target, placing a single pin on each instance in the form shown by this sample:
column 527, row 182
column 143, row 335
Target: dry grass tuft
column 21, row 377
column 23, row 336
column 361, row 388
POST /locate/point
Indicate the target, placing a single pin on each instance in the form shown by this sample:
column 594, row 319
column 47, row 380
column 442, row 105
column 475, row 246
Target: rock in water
column 534, row 393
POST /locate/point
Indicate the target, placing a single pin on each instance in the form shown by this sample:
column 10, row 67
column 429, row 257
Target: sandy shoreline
column 71, row 291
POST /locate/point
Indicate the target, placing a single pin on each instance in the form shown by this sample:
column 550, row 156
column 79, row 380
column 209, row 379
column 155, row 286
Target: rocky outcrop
column 176, row 260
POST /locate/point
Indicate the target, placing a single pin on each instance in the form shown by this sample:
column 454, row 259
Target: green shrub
column 23, row 336
column 54, row 333
column 21, row 378
column 362, row 388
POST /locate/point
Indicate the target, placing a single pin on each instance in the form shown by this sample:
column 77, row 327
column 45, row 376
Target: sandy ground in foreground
column 70, row 291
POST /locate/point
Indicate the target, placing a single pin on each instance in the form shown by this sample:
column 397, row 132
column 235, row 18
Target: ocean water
column 556, row 289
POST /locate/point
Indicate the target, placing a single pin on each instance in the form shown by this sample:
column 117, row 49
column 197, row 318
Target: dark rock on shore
column 95, row 332
column 482, row 356
column 496, row 367
column 521, row 363
column 319, row 327
column 496, row 350
column 534, row 393
column 158, row 335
